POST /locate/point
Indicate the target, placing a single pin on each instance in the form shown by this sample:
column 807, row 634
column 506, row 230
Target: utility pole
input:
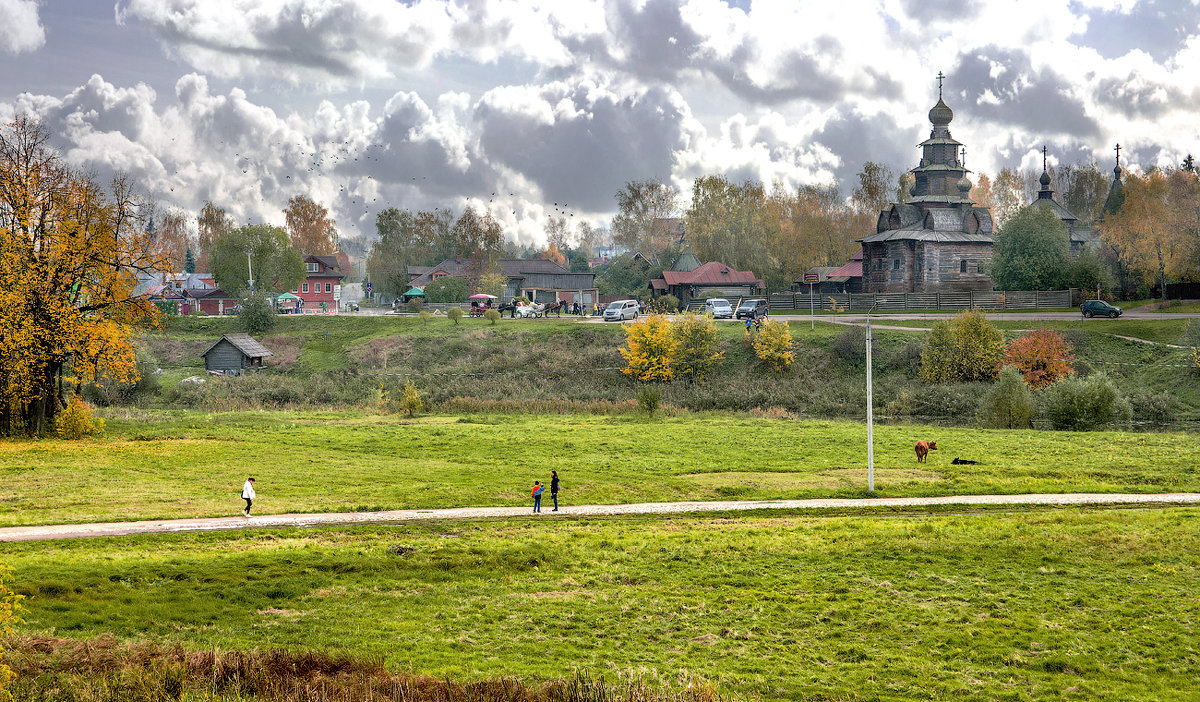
column 870, row 412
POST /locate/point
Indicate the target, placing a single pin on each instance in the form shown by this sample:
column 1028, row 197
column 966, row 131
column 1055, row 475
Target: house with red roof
column 322, row 288
column 845, row 279
column 707, row 280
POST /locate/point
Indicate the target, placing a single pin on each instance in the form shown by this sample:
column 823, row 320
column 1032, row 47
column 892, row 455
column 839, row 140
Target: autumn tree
column 963, row 349
column 1083, row 190
column 873, row 193
column 70, row 256
column 492, row 283
column 1031, row 251
column 730, row 223
column 981, row 192
column 1155, row 229
column 172, row 240
column 10, row 603
column 650, row 349
column 480, row 239
column 553, row 254
column 1042, row 356
column 1008, row 194
column 556, row 233
column 211, row 225
column 311, row 230
column 642, row 207
column 814, row 228
column 261, row 250
column 399, row 245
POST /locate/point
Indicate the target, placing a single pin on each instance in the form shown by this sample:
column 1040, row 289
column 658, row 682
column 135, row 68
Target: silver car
column 621, row 310
column 718, row 307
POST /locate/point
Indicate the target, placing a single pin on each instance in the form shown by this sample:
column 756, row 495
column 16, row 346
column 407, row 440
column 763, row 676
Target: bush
column 696, row 344
column 1153, row 407
column 1042, row 357
column 1009, row 403
column 667, row 304
column 446, row 289
column 492, row 316
column 425, row 317
column 851, row 345
column 649, row 399
column 1083, row 404
column 76, row 421
column 258, row 315
column 8, row 616
column 454, row 314
column 773, row 345
column 906, row 359
column 966, row 348
column 650, row 349
column 410, row 401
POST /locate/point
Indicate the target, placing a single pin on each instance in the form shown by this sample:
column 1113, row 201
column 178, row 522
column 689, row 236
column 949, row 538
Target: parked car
column 718, row 307
column 754, row 309
column 621, row 310
column 1099, row 308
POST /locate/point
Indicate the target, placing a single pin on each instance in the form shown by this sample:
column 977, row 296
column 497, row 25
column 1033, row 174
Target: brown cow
column 923, row 449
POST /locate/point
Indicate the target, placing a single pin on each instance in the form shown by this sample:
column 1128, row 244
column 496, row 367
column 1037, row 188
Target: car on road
column 754, row 309
column 1099, row 308
column 718, row 307
column 621, row 310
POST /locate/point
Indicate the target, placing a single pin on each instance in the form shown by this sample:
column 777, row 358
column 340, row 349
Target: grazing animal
column 963, row 462
column 923, row 449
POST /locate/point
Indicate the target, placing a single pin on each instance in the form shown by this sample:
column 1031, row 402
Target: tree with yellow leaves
column 9, row 604
column 650, row 348
column 70, row 253
column 311, row 230
column 1156, row 227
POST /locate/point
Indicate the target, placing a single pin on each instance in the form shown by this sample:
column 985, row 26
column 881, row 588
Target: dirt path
column 77, row 531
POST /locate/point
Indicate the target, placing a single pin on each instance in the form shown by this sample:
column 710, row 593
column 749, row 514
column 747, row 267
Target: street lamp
column 870, row 411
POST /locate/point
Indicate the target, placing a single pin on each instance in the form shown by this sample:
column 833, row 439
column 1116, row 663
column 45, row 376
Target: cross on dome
column 940, row 76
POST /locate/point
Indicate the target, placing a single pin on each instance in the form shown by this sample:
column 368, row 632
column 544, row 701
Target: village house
column 232, row 354
column 535, row 279
column 938, row 240
column 322, row 287
column 690, row 280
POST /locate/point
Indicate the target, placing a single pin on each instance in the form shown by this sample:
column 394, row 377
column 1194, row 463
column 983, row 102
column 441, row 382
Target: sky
column 532, row 110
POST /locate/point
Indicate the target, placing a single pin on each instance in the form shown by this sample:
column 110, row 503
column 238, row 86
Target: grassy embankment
column 1062, row 604
column 159, row 465
column 567, row 366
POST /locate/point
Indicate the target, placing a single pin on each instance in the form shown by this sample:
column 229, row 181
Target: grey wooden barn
column 234, row 353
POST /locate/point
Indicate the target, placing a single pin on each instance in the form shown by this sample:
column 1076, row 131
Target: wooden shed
column 233, row 353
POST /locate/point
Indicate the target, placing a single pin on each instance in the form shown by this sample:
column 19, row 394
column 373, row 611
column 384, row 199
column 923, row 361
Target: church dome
column 941, row 114
column 1045, row 179
column 964, row 185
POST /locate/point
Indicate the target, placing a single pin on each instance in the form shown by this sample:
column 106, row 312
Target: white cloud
column 20, row 26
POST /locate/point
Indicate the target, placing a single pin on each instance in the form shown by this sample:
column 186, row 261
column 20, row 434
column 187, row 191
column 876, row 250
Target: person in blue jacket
column 538, row 489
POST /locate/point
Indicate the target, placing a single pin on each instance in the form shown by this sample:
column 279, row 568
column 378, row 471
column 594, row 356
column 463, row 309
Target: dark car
column 753, row 309
column 1099, row 308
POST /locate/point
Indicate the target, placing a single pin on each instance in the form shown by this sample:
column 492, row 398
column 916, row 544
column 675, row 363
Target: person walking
column 554, row 489
column 248, row 495
column 538, row 489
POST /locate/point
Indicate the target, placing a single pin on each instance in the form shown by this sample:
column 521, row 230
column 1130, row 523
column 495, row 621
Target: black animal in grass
column 510, row 308
column 964, row 462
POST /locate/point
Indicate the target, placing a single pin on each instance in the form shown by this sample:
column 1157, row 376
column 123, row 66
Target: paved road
column 77, row 531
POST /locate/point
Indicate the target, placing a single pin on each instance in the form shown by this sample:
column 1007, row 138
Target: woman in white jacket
column 248, row 495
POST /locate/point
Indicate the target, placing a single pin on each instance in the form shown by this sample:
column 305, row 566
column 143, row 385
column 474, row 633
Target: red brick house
column 323, row 286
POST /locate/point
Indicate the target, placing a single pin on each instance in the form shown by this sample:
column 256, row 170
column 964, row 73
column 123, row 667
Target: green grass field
column 1056, row 604
column 158, row 465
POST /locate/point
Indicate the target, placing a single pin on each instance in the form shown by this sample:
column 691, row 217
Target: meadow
column 1094, row 604
column 155, row 465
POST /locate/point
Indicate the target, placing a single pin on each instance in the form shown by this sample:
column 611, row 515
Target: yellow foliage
column 77, row 421
column 650, row 349
column 964, row 349
column 8, row 615
column 69, row 253
column 773, row 345
column 411, row 401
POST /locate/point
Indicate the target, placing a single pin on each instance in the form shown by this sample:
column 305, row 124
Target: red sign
column 812, row 278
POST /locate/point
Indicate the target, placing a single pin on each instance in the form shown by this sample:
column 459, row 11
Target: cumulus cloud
column 20, row 26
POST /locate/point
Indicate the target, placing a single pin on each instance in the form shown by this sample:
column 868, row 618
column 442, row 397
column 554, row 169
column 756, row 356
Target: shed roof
column 711, row 273
column 244, row 343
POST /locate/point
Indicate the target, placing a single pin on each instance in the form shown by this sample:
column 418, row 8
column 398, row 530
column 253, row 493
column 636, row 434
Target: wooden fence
column 977, row 299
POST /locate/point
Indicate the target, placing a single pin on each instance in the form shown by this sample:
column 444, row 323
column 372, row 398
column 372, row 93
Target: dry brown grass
column 284, row 350
column 98, row 669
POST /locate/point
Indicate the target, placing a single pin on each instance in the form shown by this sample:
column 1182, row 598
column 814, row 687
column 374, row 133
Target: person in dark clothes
column 554, row 489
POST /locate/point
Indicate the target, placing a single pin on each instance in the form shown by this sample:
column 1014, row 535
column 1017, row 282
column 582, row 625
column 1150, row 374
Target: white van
column 621, row 310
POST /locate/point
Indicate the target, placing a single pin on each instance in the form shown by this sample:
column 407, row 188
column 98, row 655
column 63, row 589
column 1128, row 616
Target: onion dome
column 964, row 185
column 941, row 114
column 1045, row 179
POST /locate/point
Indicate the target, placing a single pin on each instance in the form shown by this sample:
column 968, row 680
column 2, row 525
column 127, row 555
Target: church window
column 962, row 266
column 896, row 264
